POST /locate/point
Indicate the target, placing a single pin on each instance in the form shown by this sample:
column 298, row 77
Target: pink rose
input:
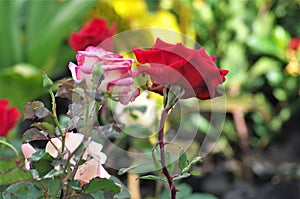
column 92, row 34
column 117, row 73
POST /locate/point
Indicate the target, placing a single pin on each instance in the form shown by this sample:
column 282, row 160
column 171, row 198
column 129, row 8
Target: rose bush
column 93, row 33
column 193, row 70
column 117, row 73
column 94, row 157
column 8, row 117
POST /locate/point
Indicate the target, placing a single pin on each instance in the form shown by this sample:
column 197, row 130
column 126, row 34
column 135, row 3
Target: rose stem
column 162, row 153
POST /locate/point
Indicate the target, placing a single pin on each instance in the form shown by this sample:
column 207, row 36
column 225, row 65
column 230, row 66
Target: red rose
column 92, row 34
column 8, row 117
column 193, row 70
column 294, row 43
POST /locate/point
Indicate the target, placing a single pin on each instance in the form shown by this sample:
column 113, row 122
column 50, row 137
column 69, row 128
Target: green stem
column 10, row 146
column 62, row 135
column 56, row 119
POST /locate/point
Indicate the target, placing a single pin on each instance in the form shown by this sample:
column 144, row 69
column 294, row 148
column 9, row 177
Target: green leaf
column 41, row 161
column 39, row 155
column 140, row 167
column 183, row 160
column 45, row 127
column 51, row 184
column 24, row 190
column 191, row 164
column 53, row 173
column 155, row 160
column 196, row 160
column 185, row 175
column 125, row 170
column 195, row 173
column 75, row 184
column 98, row 184
column 153, row 177
column 98, row 195
column 6, row 164
column 170, row 162
column 10, row 172
column 42, row 166
column 124, row 194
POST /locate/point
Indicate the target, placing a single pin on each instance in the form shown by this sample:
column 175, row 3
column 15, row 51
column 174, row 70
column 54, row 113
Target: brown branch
column 161, row 144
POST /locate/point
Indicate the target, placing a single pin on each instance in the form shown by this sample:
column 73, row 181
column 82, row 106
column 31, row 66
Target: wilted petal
column 130, row 96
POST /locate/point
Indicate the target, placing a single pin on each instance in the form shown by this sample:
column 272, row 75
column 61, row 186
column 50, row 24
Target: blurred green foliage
column 34, row 35
column 250, row 39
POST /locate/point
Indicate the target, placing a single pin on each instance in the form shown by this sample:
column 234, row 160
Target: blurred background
column 258, row 41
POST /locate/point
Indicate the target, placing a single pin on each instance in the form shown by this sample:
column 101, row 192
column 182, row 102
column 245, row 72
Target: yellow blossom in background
column 198, row 4
column 171, row 26
column 293, row 56
column 138, row 16
column 160, row 19
column 293, row 68
column 129, row 9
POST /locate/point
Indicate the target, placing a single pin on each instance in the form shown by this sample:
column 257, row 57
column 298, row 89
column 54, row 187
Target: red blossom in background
column 92, row 34
column 294, row 43
column 8, row 117
column 191, row 69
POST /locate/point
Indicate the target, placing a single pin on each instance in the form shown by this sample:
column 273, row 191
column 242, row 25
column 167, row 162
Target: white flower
column 92, row 168
column 146, row 118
